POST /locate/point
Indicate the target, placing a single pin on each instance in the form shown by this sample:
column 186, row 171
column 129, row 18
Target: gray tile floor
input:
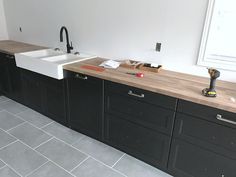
column 32, row 145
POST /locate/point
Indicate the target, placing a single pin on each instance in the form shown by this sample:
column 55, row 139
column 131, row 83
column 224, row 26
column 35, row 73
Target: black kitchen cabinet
column 54, row 99
column 32, row 90
column 139, row 122
column 4, row 76
column 204, row 144
column 189, row 160
column 85, row 104
column 45, row 95
column 10, row 77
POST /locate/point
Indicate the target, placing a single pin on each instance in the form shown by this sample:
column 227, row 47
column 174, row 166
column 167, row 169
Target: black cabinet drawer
column 203, row 132
column 208, row 113
column 141, row 95
column 187, row 160
column 143, row 113
column 138, row 141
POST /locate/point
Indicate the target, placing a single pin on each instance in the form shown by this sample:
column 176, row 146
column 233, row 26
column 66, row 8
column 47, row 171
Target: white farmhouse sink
column 43, row 53
column 48, row 62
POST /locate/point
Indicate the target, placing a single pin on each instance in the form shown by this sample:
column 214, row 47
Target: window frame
column 212, row 62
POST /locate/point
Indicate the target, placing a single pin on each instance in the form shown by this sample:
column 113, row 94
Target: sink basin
column 48, row 62
column 43, row 53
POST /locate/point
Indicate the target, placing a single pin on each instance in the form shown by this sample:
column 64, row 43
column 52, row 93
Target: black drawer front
column 143, row 143
column 208, row 113
column 141, row 95
column 204, row 132
column 143, row 113
column 69, row 75
column 187, row 160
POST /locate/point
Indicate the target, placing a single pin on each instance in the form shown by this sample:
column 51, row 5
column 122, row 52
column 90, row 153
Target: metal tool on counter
column 211, row 92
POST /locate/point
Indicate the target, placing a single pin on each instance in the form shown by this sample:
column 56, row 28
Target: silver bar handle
column 81, row 77
column 220, row 117
column 10, row 56
column 136, row 95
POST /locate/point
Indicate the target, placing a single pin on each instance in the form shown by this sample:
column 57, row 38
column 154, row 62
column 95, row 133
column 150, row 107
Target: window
column 218, row 46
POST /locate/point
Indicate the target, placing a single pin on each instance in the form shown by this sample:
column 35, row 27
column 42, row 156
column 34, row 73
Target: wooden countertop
column 182, row 86
column 12, row 47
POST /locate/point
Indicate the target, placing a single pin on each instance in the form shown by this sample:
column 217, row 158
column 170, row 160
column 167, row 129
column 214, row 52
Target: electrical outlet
column 158, row 47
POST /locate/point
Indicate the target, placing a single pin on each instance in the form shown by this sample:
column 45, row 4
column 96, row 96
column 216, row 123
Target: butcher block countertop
column 182, row 86
column 13, row 47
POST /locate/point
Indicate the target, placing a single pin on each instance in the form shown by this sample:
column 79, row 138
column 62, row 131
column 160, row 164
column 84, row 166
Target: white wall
column 117, row 29
column 3, row 26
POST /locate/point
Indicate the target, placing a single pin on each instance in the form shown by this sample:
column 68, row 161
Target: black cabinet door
column 54, row 105
column 15, row 80
column 85, row 97
column 4, row 76
column 141, row 142
column 10, row 78
column 31, row 88
column 187, row 160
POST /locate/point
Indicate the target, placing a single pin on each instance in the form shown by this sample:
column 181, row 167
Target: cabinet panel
column 141, row 95
column 85, row 95
column 136, row 140
column 32, row 92
column 4, row 76
column 207, row 113
column 187, row 160
column 54, row 104
column 143, row 113
column 199, row 131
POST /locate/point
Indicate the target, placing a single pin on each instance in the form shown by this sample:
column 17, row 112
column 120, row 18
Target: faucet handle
column 71, row 46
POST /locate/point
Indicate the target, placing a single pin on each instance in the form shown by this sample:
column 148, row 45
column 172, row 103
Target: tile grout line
column 47, row 124
column 109, row 167
column 80, row 164
column 3, row 166
column 118, row 160
column 36, row 169
column 16, row 126
column 43, row 143
column 9, row 144
column 14, row 170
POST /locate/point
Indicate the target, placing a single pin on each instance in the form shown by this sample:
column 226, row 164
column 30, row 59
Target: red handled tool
column 136, row 74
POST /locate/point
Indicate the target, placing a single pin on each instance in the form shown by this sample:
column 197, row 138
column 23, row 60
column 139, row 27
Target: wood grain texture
column 13, row 47
column 179, row 85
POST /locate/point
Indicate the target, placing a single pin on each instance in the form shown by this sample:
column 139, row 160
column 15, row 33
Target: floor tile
column 93, row 168
column 50, row 170
column 62, row 154
column 5, row 139
column 63, row 133
column 3, row 98
column 8, row 120
column 7, row 172
column 135, row 168
column 98, row 150
column 35, row 118
column 2, row 164
column 21, row 158
column 13, row 107
column 30, row 135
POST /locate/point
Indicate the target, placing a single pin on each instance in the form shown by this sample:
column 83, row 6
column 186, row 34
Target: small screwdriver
column 136, row 74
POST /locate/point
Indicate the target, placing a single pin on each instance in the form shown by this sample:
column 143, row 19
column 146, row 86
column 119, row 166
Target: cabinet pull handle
column 81, row 77
column 220, row 117
column 9, row 56
column 136, row 95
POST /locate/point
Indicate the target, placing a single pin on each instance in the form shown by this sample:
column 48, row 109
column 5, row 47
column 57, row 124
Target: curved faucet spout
column 68, row 46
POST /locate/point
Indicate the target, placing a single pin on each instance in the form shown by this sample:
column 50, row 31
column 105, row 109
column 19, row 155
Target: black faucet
column 68, row 46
